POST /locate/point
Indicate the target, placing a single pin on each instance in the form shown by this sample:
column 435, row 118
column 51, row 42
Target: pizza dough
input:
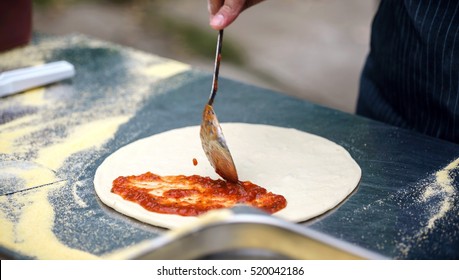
column 311, row 172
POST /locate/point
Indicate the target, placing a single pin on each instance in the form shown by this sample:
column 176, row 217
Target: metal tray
column 245, row 233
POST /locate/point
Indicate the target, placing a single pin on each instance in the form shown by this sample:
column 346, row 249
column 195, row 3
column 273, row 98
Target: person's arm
column 224, row 12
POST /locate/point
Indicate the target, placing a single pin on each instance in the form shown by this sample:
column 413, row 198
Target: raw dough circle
column 311, row 172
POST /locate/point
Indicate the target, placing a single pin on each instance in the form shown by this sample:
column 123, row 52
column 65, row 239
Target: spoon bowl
column 215, row 147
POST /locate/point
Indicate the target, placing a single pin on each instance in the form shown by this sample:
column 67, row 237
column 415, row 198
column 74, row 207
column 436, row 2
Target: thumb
column 227, row 14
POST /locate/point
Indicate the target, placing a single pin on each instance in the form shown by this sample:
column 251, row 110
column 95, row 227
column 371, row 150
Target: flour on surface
column 437, row 197
column 50, row 135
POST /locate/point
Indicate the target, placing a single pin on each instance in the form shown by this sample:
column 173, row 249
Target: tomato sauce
column 193, row 195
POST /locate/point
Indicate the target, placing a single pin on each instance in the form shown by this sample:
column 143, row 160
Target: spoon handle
column 218, row 56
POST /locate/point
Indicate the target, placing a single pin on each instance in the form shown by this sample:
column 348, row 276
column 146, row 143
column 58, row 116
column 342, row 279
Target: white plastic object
column 18, row 80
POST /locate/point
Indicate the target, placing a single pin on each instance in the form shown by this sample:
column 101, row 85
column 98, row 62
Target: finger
column 227, row 13
column 213, row 6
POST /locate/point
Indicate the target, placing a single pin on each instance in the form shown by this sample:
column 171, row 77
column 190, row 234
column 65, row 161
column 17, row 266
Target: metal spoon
column 212, row 138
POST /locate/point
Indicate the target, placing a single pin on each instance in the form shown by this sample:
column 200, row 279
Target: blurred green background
column 184, row 36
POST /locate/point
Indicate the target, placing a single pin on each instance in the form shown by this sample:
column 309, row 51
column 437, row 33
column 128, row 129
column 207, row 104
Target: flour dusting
column 436, row 198
column 50, row 136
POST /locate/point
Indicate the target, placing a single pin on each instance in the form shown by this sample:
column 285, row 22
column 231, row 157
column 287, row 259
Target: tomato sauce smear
column 193, row 195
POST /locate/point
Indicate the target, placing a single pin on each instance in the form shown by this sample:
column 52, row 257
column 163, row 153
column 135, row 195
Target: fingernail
column 217, row 20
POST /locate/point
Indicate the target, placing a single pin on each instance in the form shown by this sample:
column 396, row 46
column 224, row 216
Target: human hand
column 224, row 12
